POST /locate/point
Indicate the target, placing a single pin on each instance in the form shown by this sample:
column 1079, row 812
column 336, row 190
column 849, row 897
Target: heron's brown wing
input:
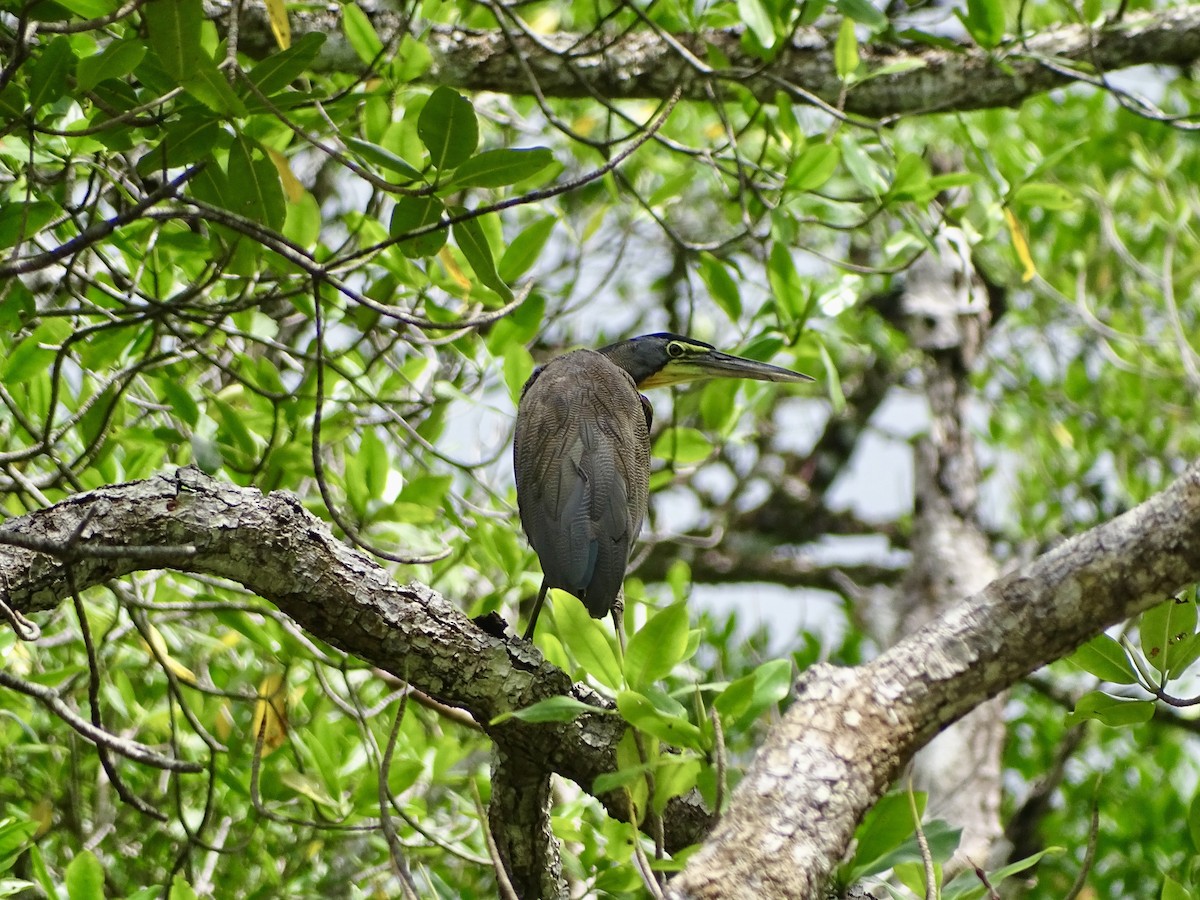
column 582, row 458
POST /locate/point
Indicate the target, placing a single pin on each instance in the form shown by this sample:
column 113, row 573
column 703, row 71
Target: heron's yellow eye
column 675, row 350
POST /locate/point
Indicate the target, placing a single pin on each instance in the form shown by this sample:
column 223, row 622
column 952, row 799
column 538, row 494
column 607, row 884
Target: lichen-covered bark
column 519, row 816
column 851, row 730
column 641, row 64
column 281, row 552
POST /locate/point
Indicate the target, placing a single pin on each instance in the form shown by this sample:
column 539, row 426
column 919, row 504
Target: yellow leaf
column 224, row 724
column 1020, row 245
column 160, row 651
column 270, row 713
column 292, row 187
column 452, row 268
column 280, row 27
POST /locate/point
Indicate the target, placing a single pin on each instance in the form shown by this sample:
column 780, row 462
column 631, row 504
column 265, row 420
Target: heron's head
column 659, row 360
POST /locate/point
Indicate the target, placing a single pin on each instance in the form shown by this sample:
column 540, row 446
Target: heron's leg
column 618, row 617
column 537, row 608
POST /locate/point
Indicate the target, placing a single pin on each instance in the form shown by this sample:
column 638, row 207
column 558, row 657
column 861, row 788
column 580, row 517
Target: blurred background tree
column 320, row 249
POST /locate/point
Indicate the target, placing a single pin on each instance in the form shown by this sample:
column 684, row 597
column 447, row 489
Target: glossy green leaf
column 471, row 240
column 1173, row 890
column 845, row 50
column 518, row 366
column 558, row 708
column 523, row 251
column 84, row 877
column 19, row 221
column 186, row 140
column 413, row 214
column 207, row 84
column 751, row 695
column 754, row 14
column 985, row 21
column 1113, row 711
column 496, row 168
column 657, row 647
column 587, row 639
column 174, row 32
column 48, row 77
column 254, row 179
column 865, row 12
column 448, row 128
column 1164, row 627
column 1045, row 196
column 643, row 715
column 721, row 285
column 1103, row 657
column 116, row 60
column 813, row 167
column 674, row 776
column 382, row 157
column 360, row 33
column 280, row 69
column 884, row 830
column 683, row 446
column 181, row 889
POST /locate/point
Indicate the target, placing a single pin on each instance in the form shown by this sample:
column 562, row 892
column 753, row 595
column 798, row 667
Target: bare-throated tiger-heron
column 581, row 454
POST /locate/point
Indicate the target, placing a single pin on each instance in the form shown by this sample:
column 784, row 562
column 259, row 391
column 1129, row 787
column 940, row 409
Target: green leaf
column 174, row 32
column 683, row 446
column 19, row 221
column 845, row 50
column 721, row 286
column 585, row 637
column 1173, row 890
column 373, row 455
column 1113, row 711
column 116, row 60
column 558, row 708
column 1165, row 627
column 15, row 837
column 360, row 33
column 469, row 236
column 448, row 128
column 754, row 14
column 523, row 251
column 48, row 78
column 657, row 647
column 1103, row 657
column 642, row 714
column 747, row 697
column 35, row 352
column 812, row 168
column 1193, row 821
column 860, row 164
column 382, row 157
column 414, row 213
column 85, row 877
column 1045, row 196
column 255, row 181
column 985, row 21
column 206, row 83
column 518, row 366
column 865, row 12
column 496, row 168
column 674, row 776
column 280, row 69
column 887, row 826
column 191, row 137
column 181, row 889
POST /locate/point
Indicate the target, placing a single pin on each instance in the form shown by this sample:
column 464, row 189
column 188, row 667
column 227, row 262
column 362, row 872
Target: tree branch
column 850, row 731
column 281, row 552
column 642, row 64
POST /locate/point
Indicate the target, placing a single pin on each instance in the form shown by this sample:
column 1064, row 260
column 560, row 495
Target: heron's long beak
column 715, row 364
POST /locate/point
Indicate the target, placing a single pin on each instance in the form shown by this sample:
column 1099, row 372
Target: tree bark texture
column 281, row 552
column 850, row 731
column 639, row 63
